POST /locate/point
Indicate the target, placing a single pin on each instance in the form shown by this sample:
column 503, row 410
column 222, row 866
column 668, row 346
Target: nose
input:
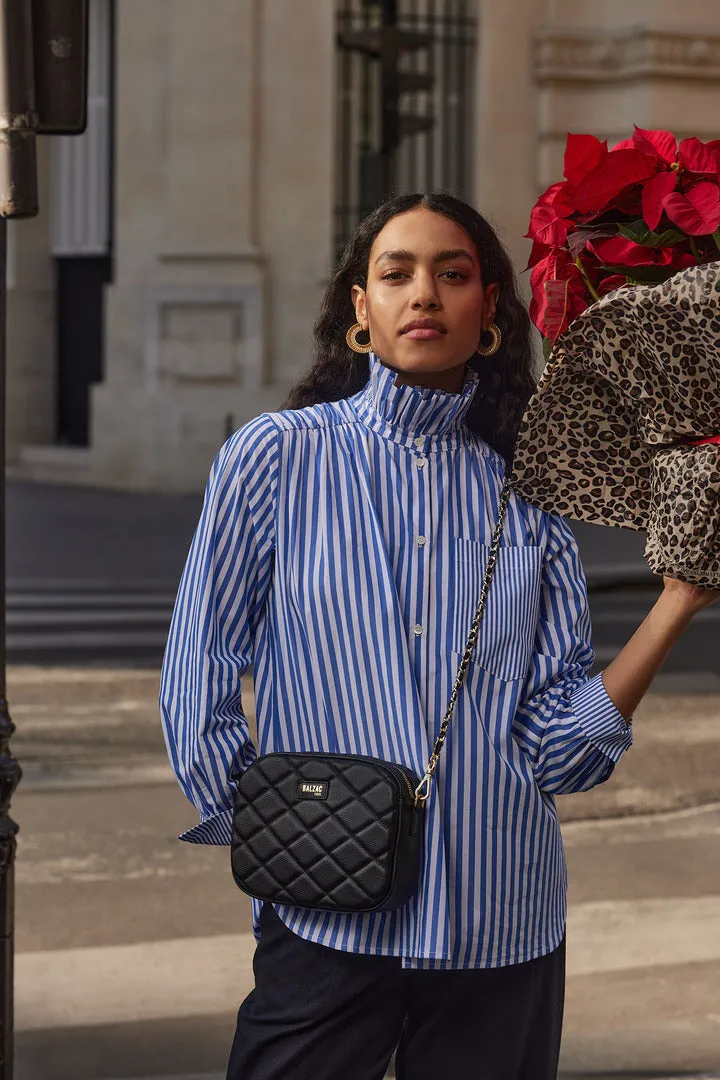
column 426, row 296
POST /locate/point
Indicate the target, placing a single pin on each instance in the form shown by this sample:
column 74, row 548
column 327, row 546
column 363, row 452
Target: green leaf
column 643, row 275
column 716, row 238
column 639, row 233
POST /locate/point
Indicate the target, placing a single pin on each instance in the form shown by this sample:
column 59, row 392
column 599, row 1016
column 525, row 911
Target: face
column 425, row 305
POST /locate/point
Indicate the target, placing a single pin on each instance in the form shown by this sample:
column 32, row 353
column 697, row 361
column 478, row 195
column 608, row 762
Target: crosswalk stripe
column 119, row 984
column 86, row 617
column 620, row 935
column 209, row 976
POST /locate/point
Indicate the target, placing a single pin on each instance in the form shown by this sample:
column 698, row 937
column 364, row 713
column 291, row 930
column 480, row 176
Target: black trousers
column 321, row 1014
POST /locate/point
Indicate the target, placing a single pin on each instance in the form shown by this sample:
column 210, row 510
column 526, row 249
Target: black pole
column 10, row 771
column 18, row 198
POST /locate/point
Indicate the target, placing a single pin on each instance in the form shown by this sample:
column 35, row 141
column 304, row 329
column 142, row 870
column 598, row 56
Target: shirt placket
column 421, row 541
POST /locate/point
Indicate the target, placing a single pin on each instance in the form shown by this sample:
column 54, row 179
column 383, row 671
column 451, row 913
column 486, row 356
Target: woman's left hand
column 690, row 598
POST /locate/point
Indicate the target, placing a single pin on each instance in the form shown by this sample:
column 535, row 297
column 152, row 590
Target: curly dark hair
column 507, row 382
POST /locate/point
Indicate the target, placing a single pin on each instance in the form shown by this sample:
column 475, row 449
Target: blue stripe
column 307, row 565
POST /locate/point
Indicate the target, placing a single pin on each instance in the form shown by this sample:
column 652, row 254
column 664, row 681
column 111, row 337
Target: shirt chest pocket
column 507, row 630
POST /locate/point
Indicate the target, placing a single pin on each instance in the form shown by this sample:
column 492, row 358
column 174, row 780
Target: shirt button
column 421, row 541
column 420, row 442
column 420, row 462
column 418, row 630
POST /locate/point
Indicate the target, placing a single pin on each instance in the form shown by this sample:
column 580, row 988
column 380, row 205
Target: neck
column 450, row 381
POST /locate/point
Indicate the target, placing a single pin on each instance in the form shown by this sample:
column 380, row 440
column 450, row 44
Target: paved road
column 93, row 574
column 134, row 950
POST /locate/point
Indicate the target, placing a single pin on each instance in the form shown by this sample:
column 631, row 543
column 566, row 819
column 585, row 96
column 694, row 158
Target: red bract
column 619, row 170
column 655, row 144
column 697, row 211
column 695, row 156
column 617, row 251
column 610, row 284
column 562, row 202
column 539, row 251
column 654, row 194
column 558, row 294
column 546, row 225
column 583, row 153
column 682, row 260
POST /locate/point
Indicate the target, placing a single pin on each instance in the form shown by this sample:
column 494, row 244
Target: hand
column 689, row 598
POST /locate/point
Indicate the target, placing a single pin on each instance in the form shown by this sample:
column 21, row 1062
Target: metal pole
column 10, row 771
column 18, row 117
column 18, row 198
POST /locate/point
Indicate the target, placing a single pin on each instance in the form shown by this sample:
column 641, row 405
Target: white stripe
column 622, row 935
column 123, row 984
column 190, row 977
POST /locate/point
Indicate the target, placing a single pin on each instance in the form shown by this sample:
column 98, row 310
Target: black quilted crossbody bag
column 340, row 832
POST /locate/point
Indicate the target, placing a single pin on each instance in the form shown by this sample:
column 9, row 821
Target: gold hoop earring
column 490, row 350
column 351, row 338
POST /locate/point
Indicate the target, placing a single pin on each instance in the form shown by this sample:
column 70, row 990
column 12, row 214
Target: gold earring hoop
column 355, row 345
column 490, row 350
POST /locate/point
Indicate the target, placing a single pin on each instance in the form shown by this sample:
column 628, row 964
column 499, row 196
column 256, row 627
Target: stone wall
column 224, row 190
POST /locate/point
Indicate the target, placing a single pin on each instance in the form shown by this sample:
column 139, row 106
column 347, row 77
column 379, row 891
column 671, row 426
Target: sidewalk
column 133, row 950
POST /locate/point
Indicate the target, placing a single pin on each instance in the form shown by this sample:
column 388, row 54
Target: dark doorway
column 434, row 85
column 80, row 327
column 82, row 231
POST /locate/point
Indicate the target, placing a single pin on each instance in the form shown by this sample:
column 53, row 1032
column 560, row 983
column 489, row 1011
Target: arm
column 210, row 645
column 566, row 723
column 629, row 676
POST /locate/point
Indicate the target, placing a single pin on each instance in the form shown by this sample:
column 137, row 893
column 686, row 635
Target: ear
column 490, row 300
column 358, row 300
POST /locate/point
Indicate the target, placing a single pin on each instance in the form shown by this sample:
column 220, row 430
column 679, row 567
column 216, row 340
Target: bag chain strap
column 422, row 792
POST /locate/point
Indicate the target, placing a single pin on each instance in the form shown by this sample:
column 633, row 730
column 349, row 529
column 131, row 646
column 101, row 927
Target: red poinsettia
column 638, row 212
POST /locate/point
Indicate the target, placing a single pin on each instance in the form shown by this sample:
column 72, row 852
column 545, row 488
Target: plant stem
column 694, row 248
column 590, row 287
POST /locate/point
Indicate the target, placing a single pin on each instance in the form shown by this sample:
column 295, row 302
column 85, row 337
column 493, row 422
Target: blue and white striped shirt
column 340, row 552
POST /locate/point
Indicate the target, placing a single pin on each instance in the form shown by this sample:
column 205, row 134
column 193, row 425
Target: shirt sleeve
column 566, row 724
column 211, row 640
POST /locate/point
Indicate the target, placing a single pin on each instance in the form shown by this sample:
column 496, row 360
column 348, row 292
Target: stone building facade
column 185, row 241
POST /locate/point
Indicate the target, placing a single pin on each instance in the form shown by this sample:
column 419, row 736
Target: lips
column 423, row 329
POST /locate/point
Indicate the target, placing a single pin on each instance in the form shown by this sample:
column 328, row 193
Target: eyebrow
column 442, row 256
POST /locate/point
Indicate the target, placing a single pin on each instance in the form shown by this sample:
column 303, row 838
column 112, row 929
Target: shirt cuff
column 216, row 829
column 604, row 726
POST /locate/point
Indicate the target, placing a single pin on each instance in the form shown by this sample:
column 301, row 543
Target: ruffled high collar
column 412, row 414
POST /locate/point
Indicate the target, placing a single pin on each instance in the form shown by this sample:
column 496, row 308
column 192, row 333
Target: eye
column 393, row 275
column 454, row 275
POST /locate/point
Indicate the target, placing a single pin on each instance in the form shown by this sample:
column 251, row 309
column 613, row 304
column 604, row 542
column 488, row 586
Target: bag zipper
column 401, row 772
column 393, row 767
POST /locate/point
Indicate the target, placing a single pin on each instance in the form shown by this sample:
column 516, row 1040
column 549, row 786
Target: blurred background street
column 92, row 575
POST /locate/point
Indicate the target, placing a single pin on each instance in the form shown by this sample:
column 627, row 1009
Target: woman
column 340, row 552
